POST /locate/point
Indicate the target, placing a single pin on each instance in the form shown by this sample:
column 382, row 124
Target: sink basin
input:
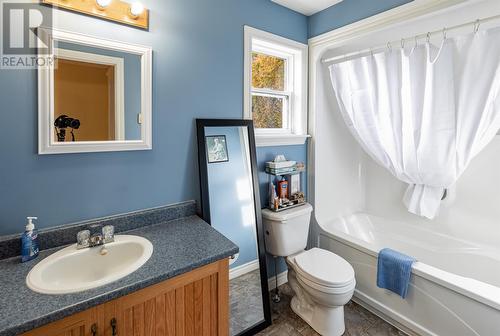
column 70, row 270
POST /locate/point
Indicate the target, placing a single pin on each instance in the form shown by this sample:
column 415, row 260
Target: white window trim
column 297, row 55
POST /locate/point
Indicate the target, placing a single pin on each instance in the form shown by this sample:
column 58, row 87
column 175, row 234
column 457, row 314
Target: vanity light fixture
column 133, row 14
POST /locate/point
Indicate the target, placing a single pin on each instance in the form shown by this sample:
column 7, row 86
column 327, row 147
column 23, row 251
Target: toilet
column 322, row 281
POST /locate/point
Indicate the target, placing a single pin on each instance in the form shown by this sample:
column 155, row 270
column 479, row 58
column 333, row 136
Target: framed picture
column 216, row 148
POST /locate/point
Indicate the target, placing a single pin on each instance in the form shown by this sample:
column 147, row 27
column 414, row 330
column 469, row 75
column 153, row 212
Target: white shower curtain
column 424, row 114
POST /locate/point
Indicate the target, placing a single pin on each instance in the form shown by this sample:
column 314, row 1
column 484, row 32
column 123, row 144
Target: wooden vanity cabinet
column 79, row 324
column 194, row 303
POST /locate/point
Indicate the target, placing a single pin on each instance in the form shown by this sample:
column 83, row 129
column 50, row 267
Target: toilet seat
column 325, row 271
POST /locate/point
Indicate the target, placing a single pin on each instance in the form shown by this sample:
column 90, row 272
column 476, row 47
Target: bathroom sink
column 70, row 270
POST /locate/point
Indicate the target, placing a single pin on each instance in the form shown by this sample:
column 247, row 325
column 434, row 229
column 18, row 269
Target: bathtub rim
column 428, row 272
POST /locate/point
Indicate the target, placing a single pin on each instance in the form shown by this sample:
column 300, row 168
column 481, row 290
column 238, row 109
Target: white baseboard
column 254, row 265
column 282, row 279
column 243, row 269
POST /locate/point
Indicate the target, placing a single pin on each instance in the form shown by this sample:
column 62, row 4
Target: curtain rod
column 475, row 24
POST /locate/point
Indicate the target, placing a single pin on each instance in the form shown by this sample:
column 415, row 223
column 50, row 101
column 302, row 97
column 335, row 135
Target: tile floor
column 359, row 321
column 245, row 299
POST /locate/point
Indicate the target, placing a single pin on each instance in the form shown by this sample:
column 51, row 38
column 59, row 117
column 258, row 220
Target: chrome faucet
column 85, row 240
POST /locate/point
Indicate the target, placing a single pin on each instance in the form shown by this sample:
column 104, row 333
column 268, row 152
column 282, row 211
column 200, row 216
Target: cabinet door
column 195, row 303
column 81, row 324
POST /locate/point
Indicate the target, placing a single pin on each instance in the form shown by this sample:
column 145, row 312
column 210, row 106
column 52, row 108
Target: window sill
column 266, row 140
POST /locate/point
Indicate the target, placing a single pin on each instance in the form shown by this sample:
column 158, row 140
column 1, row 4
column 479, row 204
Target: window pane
column 268, row 72
column 267, row 111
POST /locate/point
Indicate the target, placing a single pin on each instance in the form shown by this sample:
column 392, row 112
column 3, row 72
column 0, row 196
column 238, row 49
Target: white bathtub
column 455, row 285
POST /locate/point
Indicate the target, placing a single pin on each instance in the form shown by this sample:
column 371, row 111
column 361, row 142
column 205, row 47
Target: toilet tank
column 286, row 232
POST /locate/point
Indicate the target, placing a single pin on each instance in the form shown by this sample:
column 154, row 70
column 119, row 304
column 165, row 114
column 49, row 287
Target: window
column 270, row 100
column 275, row 88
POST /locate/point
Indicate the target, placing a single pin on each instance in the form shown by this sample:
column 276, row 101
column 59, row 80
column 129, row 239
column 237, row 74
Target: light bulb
column 103, row 3
column 136, row 9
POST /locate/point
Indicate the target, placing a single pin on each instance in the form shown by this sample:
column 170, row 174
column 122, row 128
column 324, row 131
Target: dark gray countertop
column 179, row 246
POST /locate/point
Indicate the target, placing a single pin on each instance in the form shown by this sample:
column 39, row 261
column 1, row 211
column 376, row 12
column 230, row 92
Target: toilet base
column 325, row 321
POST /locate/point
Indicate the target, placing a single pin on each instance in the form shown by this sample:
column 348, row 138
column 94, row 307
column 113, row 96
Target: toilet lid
column 325, row 268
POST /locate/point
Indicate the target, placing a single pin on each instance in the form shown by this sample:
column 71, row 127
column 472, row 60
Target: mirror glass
column 94, row 96
column 97, row 94
column 232, row 211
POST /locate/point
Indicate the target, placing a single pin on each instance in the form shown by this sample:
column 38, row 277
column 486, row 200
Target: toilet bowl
column 322, row 281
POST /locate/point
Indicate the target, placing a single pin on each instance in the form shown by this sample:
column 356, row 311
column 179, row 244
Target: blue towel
column 393, row 271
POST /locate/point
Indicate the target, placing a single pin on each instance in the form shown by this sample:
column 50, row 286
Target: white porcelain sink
column 70, row 270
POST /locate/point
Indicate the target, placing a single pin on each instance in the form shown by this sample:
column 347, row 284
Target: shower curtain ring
column 445, row 193
column 428, row 37
column 416, row 41
column 444, row 33
column 402, row 43
column 476, row 25
column 389, row 46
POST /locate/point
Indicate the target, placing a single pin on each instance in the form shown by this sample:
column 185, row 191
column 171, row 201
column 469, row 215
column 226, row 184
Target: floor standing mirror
column 230, row 203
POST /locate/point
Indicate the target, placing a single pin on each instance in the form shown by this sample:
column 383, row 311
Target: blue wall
column 346, row 12
column 197, row 72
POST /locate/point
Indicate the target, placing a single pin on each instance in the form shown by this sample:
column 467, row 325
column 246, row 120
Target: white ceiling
column 307, row 7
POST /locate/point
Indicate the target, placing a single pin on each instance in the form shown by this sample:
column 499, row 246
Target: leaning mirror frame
column 47, row 143
column 203, row 161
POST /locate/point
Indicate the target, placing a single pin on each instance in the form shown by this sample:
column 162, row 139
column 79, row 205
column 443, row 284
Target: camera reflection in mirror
column 62, row 123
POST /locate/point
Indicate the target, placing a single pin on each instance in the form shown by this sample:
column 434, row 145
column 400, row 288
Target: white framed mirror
column 95, row 95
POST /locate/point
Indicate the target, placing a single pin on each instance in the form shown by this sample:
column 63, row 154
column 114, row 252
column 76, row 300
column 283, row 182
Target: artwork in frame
column 216, row 148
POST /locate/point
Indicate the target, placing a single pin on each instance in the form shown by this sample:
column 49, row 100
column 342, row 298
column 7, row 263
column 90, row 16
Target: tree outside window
column 270, row 100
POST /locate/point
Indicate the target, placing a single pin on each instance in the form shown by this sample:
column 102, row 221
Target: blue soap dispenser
column 29, row 241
